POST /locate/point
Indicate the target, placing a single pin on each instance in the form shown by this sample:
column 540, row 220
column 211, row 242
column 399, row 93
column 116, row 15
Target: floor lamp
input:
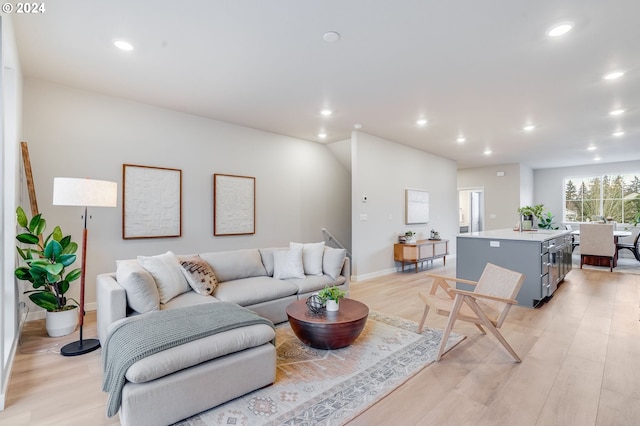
column 85, row 193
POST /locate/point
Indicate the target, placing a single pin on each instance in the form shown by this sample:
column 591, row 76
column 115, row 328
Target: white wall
column 549, row 183
column 382, row 170
column 10, row 133
column 300, row 186
column 501, row 193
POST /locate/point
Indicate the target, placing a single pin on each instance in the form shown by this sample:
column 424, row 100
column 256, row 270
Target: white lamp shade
column 84, row 192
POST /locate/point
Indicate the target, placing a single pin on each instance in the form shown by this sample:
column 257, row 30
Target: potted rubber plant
column 45, row 261
column 331, row 297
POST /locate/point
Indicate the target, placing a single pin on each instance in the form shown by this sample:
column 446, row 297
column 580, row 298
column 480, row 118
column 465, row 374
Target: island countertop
column 510, row 234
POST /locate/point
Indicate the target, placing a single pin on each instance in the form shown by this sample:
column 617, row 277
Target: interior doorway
column 471, row 209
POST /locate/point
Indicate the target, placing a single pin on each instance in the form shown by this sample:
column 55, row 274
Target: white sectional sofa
column 265, row 281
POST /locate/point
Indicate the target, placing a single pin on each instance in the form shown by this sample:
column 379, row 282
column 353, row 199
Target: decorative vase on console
column 410, row 237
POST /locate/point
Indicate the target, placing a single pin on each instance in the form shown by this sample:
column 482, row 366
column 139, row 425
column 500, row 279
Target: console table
column 421, row 251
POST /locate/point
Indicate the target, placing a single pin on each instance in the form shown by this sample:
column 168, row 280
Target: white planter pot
column 332, row 305
column 62, row 323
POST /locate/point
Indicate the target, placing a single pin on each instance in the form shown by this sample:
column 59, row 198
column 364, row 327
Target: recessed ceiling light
column 591, row 148
column 617, row 112
column 613, row 75
column 596, row 158
column 461, row 139
column 326, row 112
column 331, row 36
column 357, row 126
column 487, row 151
column 559, row 29
column 123, row 45
column 322, row 135
column 422, row 122
column 618, row 133
column 528, row 128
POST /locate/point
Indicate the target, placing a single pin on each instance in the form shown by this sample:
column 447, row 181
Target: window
column 610, row 197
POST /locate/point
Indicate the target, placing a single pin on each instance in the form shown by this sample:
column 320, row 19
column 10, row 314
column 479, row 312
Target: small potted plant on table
column 331, row 297
column 46, row 260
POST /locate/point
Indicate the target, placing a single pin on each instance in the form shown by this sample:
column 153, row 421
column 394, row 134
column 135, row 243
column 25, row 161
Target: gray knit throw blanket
column 140, row 336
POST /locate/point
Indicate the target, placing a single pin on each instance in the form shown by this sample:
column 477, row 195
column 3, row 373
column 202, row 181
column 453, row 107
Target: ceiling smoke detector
column 331, row 36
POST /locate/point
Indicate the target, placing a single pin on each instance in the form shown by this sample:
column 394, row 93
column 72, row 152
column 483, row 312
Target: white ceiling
column 479, row 68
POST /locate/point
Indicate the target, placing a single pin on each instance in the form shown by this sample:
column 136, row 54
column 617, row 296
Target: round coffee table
column 328, row 330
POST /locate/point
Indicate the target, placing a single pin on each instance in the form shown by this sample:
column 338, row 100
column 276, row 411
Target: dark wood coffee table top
column 328, row 330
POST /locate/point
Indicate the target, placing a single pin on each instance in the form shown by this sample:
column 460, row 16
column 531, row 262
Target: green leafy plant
column 46, row 260
column 331, row 293
column 546, row 222
column 535, row 211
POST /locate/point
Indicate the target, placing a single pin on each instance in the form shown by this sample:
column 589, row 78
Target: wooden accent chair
column 597, row 244
column 632, row 247
column 488, row 305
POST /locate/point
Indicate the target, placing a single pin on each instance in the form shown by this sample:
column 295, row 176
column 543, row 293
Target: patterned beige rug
column 330, row 387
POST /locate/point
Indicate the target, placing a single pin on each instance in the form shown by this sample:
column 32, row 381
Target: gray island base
column 543, row 256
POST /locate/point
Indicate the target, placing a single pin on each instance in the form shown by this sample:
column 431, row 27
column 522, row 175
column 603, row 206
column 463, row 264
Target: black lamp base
column 80, row 347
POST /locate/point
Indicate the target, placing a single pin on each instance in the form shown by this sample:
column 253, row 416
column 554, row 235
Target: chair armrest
column 346, row 273
column 111, row 299
column 441, row 281
column 447, row 278
column 483, row 296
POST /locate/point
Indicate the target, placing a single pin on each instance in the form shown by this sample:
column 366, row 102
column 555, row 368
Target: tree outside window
column 612, row 197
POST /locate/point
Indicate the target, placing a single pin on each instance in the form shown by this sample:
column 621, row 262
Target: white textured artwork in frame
column 416, row 206
column 151, row 202
column 234, row 200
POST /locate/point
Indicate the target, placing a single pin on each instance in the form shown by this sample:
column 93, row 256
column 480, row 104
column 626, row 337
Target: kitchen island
column 543, row 256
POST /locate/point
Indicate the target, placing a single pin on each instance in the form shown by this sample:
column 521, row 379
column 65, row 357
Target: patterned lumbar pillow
column 199, row 274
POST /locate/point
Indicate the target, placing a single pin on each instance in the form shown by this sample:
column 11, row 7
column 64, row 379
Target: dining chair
column 632, row 247
column 488, row 305
column 596, row 242
column 575, row 240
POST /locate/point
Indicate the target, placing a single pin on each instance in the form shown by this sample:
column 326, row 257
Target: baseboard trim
column 390, row 271
column 41, row 313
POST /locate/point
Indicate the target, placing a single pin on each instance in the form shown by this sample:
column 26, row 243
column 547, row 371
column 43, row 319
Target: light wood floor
column 581, row 364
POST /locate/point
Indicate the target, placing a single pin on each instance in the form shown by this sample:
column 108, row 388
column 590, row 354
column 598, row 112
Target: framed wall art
column 234, row 200
column 416, row 206
column 151, row 202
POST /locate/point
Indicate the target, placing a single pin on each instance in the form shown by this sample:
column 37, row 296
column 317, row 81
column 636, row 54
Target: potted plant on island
column 331, row 297
column 546, row 222
column 528, row 213
column 46, row 260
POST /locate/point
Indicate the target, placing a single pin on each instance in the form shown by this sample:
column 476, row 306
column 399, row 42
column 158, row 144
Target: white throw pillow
column 288, row 264
column 141, row 289
column 312, row 254
column 333, row 261
column 166, row 271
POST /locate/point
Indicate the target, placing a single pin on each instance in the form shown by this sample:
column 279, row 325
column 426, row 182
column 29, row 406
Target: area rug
column 330, row 387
